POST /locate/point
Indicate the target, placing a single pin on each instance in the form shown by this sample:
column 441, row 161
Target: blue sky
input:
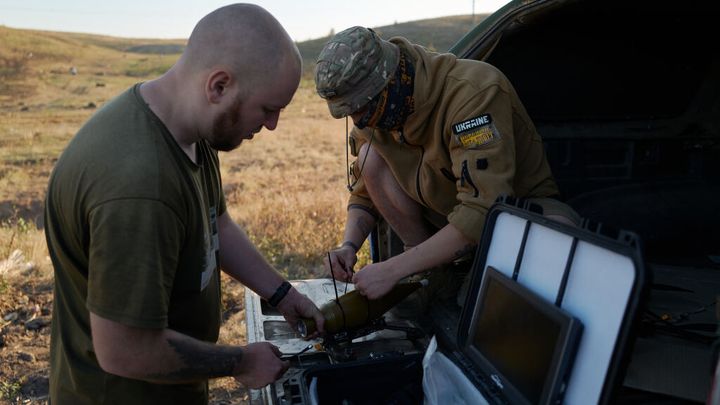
column 303, row 19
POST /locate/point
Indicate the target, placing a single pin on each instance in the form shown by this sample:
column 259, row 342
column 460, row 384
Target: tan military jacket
column 468, row 140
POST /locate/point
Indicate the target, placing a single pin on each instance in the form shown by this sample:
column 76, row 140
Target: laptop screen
column 523, row 342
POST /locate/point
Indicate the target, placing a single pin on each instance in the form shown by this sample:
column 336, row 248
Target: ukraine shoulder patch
column 476, row 132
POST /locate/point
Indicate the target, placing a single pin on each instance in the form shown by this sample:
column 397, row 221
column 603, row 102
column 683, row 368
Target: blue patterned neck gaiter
column 389, row 109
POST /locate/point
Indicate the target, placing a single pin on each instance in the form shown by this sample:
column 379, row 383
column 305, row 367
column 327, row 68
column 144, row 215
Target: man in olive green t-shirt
column 137, row 227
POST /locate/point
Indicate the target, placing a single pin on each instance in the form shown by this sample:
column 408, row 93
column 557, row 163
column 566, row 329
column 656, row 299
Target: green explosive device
column 353, row 311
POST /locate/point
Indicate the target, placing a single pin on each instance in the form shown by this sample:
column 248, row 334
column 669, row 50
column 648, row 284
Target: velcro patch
column 476, row 132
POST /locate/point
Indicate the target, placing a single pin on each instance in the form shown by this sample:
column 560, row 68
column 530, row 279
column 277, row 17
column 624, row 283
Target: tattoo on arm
column 469, row 248
column 201, row 361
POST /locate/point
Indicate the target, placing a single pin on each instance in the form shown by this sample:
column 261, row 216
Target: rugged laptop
column 591, row 273
column 519, row 343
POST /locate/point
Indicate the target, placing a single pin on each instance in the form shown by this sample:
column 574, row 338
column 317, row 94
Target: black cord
column 337, row 299
column 683, row 331
column 679, row 317
column 332, row 275
column 347, row 156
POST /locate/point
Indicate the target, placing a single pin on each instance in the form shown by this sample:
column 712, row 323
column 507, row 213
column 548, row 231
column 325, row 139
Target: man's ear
column 217, row 85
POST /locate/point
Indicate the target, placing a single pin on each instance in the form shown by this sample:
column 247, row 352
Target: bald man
column 137, row 226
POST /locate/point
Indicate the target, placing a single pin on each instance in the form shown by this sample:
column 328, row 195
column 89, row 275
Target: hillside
column 39, row 68
column 437, row 34
column 48, row 55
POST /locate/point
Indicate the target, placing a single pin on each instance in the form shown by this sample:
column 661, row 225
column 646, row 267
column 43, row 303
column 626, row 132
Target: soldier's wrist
column 350, row 244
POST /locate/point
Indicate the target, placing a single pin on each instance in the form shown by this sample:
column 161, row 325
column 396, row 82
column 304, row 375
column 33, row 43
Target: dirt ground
column 24, row 337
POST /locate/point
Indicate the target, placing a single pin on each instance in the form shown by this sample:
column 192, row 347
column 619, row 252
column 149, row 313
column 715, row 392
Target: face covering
column 389, row 109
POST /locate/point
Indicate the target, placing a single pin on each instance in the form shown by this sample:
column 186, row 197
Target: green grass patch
column 10, row 390
column 3, row 285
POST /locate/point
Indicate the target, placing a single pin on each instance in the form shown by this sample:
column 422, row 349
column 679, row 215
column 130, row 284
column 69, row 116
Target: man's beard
column 222, row 137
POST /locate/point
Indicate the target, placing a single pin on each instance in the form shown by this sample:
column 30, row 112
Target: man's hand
column 375, row 280
column 343, row 260
column 295, row 306
column 260, row 365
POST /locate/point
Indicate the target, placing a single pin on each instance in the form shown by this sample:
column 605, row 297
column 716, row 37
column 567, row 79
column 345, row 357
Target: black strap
column 280, row 293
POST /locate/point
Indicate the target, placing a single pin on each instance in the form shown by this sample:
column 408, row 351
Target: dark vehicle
column 626, row 95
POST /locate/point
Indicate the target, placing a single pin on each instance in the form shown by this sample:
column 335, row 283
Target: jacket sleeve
column 482, row 150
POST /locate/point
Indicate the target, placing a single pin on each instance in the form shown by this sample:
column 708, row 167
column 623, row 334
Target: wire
column 683, row 331
column 337, row 299
column 332, row 275
column 347, row 156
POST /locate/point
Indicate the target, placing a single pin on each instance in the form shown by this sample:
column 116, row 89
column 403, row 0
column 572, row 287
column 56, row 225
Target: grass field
column 286, row 187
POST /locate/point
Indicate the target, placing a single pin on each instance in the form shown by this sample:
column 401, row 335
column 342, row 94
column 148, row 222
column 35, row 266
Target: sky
column 303, row 19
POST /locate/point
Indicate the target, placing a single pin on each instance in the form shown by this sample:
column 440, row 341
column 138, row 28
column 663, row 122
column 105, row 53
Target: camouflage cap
column 353, row 68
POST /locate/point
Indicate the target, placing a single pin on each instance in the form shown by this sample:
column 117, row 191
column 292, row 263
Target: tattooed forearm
column 200, row 360
column 469, row 248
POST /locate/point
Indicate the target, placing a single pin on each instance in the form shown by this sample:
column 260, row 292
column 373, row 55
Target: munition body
column 353, row 311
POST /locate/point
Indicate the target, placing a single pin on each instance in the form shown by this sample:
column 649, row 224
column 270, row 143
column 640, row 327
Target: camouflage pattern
column 353, row 67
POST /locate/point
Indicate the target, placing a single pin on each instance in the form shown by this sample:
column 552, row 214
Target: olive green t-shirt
column 131, row 229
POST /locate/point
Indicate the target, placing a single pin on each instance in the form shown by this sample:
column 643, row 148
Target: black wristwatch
column 280, row 293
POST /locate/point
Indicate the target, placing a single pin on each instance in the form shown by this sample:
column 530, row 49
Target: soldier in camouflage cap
column 436, row 140
column 353, row 68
